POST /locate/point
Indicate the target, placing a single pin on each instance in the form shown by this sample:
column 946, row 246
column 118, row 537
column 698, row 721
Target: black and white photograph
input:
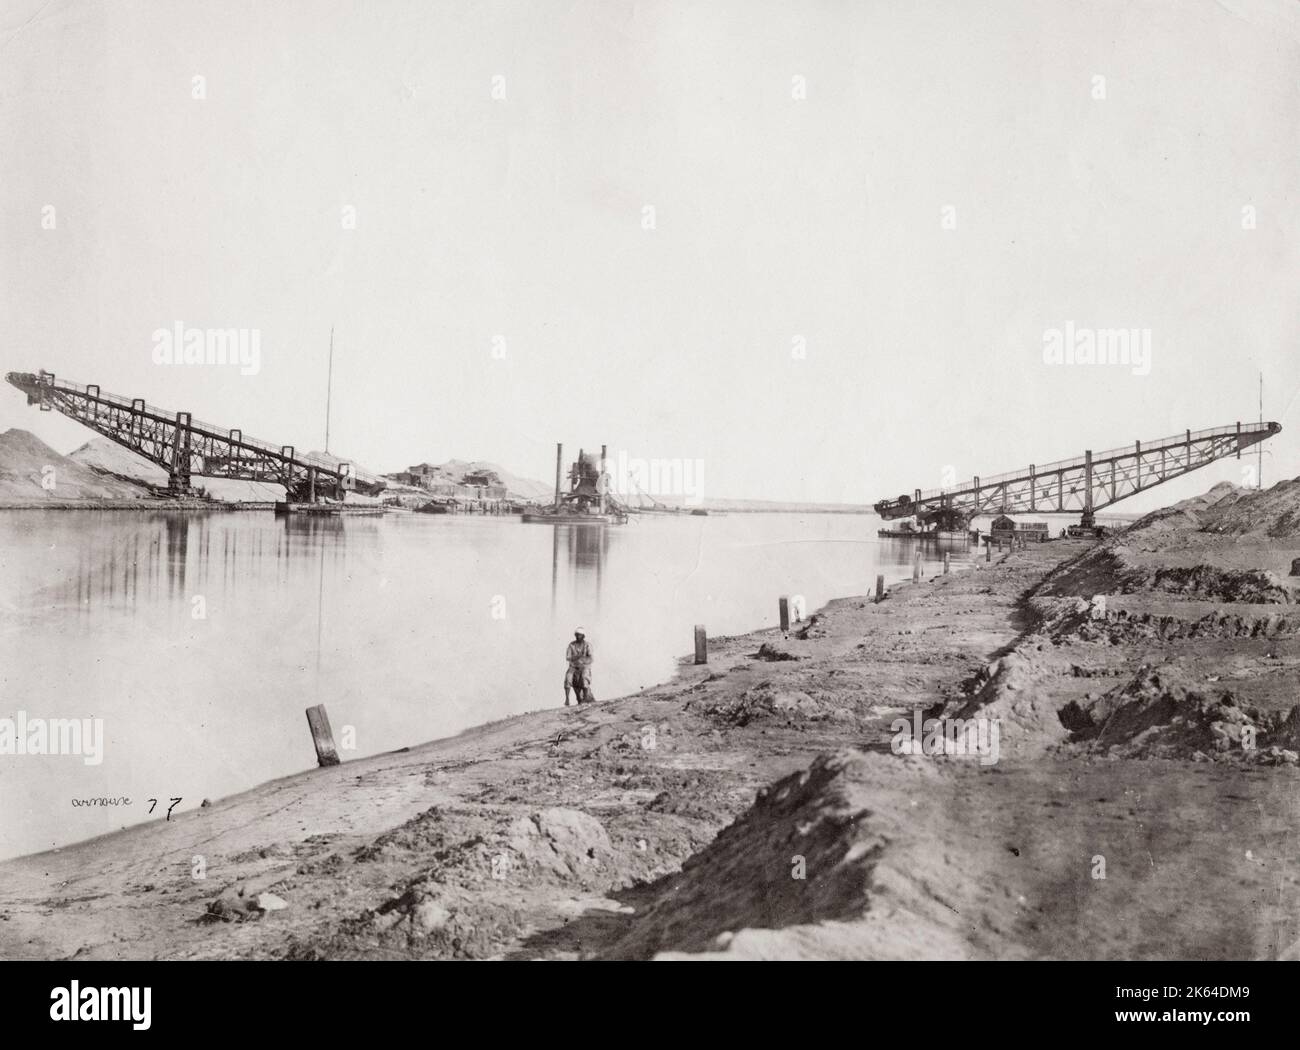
column 612, row 481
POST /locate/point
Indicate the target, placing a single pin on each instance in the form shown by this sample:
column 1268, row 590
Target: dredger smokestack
column 559, row 459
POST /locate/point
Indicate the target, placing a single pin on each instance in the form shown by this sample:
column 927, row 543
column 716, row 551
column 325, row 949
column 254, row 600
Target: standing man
column 578, row 676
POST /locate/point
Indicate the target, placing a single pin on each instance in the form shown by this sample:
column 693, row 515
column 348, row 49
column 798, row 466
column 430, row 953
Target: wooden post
column 945, row 563
column 916, row 568
column 988, row 550
column 322, row 736
column 880, row 588
column 701, row 644
column 784, row 609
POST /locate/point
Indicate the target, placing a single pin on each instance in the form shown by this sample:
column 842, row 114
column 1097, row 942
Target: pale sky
column 777, row 219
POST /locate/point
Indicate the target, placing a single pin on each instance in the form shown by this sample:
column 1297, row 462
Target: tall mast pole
column 329, row 389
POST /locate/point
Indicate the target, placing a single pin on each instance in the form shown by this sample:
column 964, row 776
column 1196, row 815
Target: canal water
column 199, row 639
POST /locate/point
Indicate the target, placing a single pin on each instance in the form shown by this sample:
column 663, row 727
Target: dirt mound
column 566, row 842
column 1101, row 570
column 1190, row 513
column 1225, row 585
column 1157, row 714
column 109, row 459
column 770, row 701
column 1014, row 691
column 774, row 653
column 1093, row 620
column 1229, row 510
column 32, row 471
column 815, row 868
column 558, row 841
column 1118, row 567
column 450, row 882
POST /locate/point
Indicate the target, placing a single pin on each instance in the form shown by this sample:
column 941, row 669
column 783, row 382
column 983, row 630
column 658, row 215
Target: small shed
column 1007, row 528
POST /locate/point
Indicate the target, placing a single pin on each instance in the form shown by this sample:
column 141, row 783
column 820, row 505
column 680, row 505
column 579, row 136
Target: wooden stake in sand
column 880, row 588
column 322, row 736
column 945, row 563
column 701, row 644
column 916, row 568
column 783, row 607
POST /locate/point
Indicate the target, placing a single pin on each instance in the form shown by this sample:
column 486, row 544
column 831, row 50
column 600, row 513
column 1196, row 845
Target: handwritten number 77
column 174, row 803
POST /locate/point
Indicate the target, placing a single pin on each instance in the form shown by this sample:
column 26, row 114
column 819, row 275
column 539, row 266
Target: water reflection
column 897, row 551
column 407, row 627
column 147, row 562
column 171, row 558
column 174, row 558
column 586, row 548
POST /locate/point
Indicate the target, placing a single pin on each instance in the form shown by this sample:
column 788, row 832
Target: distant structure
column 438, row 481
column 587, row 500
column 449, row 491
column 587, row 489
column 186, row 447
column 1085, row 483
column 1007, row 528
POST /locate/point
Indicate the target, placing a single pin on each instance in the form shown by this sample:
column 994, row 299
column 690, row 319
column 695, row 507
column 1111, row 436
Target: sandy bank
column 754, row 807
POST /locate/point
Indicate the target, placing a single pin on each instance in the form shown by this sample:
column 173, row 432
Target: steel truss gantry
column 1086, row 483
column 186, row 447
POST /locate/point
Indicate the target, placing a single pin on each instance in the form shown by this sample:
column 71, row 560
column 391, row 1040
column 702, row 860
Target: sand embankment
column 101, row 475
column 754, row 807
column 33, row 474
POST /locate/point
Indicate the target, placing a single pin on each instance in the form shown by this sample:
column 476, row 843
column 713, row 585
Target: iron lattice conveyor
column 187, row 447
column 1086, row 483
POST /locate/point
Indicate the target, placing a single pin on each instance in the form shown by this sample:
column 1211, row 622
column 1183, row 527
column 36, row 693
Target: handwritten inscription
column 122, row 800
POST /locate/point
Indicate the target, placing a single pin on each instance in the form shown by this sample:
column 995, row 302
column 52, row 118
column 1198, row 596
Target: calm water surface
column 200, row 639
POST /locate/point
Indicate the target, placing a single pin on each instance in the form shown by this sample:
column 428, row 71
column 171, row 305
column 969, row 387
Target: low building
column 481, row 489
column 1007, row 528
column 487, row 483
